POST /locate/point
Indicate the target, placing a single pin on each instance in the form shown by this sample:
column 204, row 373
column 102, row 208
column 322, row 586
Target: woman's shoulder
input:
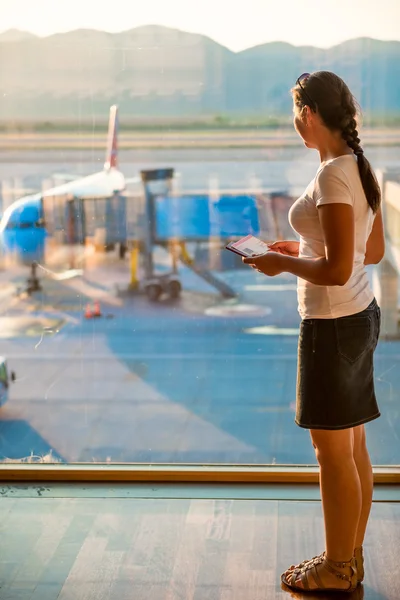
column 334, row 182
column 341, row 169
column 345, row 164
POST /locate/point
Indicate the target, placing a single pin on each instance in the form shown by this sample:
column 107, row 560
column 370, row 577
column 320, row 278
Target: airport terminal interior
column 150, row 446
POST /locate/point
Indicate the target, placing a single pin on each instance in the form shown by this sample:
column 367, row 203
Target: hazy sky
column 236, row 24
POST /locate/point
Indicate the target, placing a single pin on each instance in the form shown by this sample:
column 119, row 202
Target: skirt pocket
column 353, row 336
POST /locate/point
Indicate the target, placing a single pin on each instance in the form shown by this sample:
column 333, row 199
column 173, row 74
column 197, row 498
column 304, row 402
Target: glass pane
column 131, row 159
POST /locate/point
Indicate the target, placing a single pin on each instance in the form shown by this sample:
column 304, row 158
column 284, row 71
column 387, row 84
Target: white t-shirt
column 337, row 180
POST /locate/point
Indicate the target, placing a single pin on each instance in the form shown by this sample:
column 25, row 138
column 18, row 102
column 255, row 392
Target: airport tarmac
column 201, row 380
column 198, row 381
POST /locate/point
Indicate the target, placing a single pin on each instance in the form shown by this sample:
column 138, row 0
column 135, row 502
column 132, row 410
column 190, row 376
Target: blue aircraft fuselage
column 22, row 230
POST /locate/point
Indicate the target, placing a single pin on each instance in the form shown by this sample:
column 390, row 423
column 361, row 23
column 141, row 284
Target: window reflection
column 132, row 160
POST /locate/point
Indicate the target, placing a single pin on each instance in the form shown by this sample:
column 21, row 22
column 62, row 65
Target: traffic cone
column 88, row 312
column 97, row 311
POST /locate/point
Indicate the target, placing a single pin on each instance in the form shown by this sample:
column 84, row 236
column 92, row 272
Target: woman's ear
column 305, row 115
column 308, row 115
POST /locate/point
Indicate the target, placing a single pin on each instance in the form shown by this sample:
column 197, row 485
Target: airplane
column 28, row 222
column 23, row 228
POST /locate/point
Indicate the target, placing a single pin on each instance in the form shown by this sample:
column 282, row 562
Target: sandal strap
column 314, row 573
column 333, row 568
column 342, row 565
column 308, row 569
column 304, row 579
column 301, row 565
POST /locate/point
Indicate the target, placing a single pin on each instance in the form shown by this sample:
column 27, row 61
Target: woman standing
column 339, row 221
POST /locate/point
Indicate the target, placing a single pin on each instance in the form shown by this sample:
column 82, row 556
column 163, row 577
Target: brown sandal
column 358, row 555
column 329, row 565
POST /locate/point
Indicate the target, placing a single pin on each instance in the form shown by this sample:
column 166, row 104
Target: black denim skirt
column 335, row 371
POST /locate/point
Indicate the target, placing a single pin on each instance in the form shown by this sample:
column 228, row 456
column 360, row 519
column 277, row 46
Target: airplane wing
column 100, row 185
column 65, row 177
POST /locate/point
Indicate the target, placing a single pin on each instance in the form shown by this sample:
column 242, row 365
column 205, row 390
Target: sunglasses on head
column 302, row 79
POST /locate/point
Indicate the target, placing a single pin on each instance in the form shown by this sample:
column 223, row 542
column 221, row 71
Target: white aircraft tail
column 112, row 142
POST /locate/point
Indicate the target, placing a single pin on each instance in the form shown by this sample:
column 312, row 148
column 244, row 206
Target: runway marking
column 238, row 310
column 271, row 330
column 29, row 326
column 68, row 274
column 143, row 357
column 265, row 287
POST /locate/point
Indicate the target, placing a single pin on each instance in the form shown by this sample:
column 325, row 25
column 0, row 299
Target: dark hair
column 338, row 109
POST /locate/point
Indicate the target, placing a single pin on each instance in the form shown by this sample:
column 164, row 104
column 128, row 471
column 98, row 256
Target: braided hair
column 350, row 136
column 337, row 108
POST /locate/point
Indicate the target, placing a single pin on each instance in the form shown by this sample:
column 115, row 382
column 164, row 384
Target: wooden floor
column 93, row 548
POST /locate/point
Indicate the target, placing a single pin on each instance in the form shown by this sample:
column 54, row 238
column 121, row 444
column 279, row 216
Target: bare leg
column 341, row 498
column 340, row 491
column 364, row 468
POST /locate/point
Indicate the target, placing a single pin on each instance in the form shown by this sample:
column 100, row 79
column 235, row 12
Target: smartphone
column 248, row 246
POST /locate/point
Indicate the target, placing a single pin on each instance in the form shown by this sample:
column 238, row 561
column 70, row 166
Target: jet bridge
column 174, row 221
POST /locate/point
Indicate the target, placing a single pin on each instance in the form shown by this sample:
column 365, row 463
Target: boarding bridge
column 182, row 221
column 386, row 274
column 193, row 227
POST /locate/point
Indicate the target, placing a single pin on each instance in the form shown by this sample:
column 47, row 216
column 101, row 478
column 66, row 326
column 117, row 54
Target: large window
column 129, row 161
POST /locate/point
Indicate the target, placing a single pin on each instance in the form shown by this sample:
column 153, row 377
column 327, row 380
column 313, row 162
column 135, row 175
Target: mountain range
column 154, row 71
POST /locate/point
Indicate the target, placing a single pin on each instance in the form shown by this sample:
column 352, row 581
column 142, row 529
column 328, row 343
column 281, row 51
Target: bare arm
column 335, row 268
column 334, row 201
column 376, row 242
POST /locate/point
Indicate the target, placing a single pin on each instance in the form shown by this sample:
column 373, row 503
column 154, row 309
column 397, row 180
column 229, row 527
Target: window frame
column 104, row 472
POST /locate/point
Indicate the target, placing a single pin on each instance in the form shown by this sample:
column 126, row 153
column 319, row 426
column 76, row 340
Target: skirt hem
column 337, row 427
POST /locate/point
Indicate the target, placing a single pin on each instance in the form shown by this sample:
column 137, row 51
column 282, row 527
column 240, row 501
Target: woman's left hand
column 269, row 263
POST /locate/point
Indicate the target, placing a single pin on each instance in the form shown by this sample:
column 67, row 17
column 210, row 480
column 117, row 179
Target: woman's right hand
column 286, row 247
